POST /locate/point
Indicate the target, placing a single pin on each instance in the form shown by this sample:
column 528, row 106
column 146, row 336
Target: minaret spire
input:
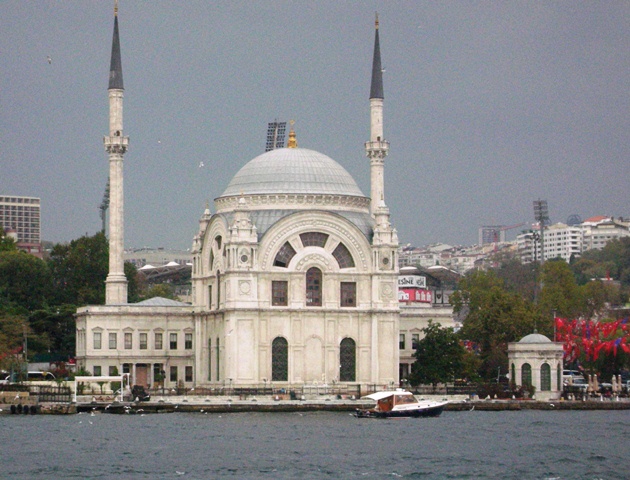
column 115, row 67
column 376, row 149
column 116, row 145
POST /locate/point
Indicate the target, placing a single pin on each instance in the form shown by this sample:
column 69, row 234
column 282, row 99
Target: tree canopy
column 440, row 357
column 25, row 280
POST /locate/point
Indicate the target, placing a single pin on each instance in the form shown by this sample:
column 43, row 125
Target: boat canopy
column 381, row 395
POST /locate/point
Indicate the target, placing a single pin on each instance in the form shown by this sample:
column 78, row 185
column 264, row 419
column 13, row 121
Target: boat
column 400, row 403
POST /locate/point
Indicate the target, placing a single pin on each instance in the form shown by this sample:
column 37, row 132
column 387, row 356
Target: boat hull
column 434, row 411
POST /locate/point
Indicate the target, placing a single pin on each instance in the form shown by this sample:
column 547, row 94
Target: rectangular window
column 97, row 370
column 173, row 341
column 348, row 294
column 415, row 338
column 158, row 341
column 97, row 340
column 113, row 371
column 189, row 375
column 174, row 374
column 188, row 341
column 210, row 297
column 128, row 341
column 158, row 372
column 401, row 341
column 126, row 368
column 279, row 293
column 143, row 341
column 113, row 341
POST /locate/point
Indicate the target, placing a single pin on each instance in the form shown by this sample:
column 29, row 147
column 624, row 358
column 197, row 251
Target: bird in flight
column 49, row 59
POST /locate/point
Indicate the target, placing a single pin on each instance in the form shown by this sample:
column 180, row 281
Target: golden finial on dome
column 292, row 143
column 376, row 21
column 115, row 8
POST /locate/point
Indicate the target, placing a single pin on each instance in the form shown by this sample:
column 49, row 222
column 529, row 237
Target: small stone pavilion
column 535, row 360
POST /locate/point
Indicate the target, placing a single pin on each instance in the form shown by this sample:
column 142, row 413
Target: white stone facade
column 294, row 278
column 537, row 361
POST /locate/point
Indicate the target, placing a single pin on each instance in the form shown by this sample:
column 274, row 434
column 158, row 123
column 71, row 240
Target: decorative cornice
column 293, row 201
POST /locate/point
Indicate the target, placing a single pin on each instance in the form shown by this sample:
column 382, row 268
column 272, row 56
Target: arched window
column 218, row 289
column 279, row 360
column 347, row 360
column 209, row 359
column 545, row 377
column 526, row 375
column 284, row 256
column 313, row 239
column 314, row 287
column 343, row 256
column 513, row 375
column 218, row 354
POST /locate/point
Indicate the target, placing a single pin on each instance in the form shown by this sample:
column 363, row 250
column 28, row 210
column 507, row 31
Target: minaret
column 376, row 149
column 116, row 146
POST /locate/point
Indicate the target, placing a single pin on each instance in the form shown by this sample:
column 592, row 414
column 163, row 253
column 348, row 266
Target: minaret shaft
column 116, row 146
column 376, row 149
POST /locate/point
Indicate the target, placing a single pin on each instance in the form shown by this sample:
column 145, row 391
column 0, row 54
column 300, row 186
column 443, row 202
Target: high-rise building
column 21, row 216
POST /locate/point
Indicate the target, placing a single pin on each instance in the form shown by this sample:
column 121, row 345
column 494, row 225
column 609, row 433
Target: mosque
column 294, row 278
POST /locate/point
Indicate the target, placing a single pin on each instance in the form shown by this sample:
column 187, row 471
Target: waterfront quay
column 225, row 404
column 37, row 402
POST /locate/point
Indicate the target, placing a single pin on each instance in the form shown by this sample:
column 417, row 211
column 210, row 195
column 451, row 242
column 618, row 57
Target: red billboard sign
column 415, row 295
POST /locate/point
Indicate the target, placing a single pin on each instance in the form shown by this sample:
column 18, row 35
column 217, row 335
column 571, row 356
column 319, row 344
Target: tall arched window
column 209, row 359
column 347, row 360
column 526, row 375
column 279, row 360
column 545, row 377
column 314, row 287
column 513, row 375
column 218, row 353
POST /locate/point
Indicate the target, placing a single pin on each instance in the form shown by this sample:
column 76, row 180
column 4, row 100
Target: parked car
column 576, row 384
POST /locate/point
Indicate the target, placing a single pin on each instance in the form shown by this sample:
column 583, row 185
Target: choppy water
column 475, row 445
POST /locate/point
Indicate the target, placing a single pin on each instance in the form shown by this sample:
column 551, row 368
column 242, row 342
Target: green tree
column 79, row 270
column 163, row 290
column 7, row 244
column 560, row 293
column 519, row 277
column 493, row 318
column 57, row 329
column 440, row 357
column 25, row 280
column 133, row 282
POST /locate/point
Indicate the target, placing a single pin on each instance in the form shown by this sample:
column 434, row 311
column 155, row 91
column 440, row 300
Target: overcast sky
column 488, row 106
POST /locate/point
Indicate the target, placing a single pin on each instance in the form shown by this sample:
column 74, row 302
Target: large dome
column 292, row 171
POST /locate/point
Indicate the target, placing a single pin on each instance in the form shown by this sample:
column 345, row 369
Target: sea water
column 475, row 445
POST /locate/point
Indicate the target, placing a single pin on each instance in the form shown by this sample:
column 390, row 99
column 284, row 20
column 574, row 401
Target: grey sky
column 488, row 106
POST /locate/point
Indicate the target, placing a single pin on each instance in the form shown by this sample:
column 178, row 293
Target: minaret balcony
column 116, row 143
column 379, row 145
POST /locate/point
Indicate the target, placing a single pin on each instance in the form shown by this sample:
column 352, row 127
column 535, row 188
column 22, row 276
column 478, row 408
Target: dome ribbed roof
column 291, row 171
